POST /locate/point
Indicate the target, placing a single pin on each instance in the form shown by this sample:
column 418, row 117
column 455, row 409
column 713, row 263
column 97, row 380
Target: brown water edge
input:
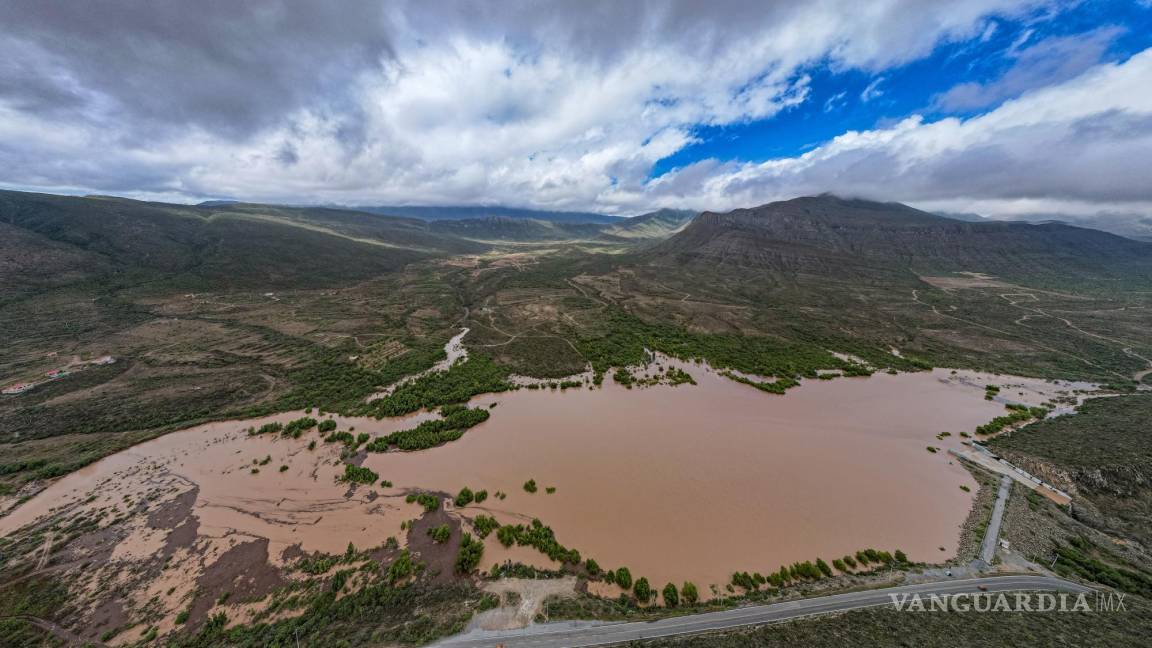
column 684, row 483
column 304, row 505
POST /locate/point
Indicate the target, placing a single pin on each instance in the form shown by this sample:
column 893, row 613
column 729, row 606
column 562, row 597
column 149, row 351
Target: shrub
column 484, row 525
column 530, row 486
column 429, row 434
column 642, row 590
column 464, row 497
column 359, row 475
column 688, row 593
column 440, row 534
column 481, row 495
column 402, row 567
column 624, row 578
column 471, row 551
column 671, row 595
column 429, row 501
column 268, row 428
column 506, row 535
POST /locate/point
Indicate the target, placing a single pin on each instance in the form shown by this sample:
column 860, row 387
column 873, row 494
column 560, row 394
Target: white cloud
column 1045, row 63
column 1080, row 147
column 872, row 90
column 565, row 105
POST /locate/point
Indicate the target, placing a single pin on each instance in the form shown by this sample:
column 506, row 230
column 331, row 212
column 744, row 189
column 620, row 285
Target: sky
column 1004, row 108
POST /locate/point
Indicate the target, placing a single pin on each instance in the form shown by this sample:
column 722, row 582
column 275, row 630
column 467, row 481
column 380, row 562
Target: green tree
column 624, row 578
column 592, row 566
column 440, row 534
column 642, row 590
column 530, row 485
column 471, row 551
column 671, row 596
column 823, row 567
column 689, row 593
column 401, row 568
column 900, row 556
column 464, row 497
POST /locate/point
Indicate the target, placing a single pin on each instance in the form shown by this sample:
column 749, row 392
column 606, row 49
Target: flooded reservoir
column 696, row 481
column 680, row 483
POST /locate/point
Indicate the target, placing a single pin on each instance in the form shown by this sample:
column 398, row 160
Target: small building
column 57, row 373
column 18, row 388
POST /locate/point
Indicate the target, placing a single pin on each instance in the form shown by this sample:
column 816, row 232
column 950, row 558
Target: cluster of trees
column 466, row 497
column 813, row 571
column 296, row 427
column 540, row 537
column 530, row 486
column 471, row 551
column 359, row 475
column 455, row 421
column 643, row 591
column 854, row 369
column 1017, row 414
column 777, row 386
column 429, row 501
column 1078, row 558
column 629, row 337
column 621, row 576
column 326, row 426
column 463, row 380
column 677, row 376
column 330, row 381
column 561, row 385
column 267, row 428
column 402, row 567
column 484, row 525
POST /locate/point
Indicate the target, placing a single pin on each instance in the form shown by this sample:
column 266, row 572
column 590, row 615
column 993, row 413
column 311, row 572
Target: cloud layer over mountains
column 560, row 105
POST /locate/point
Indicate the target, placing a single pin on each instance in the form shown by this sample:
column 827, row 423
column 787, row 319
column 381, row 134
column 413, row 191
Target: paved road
column 992, row 535
column 574, row 635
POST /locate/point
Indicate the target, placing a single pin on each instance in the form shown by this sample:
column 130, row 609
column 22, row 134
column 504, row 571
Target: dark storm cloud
column 227, row 66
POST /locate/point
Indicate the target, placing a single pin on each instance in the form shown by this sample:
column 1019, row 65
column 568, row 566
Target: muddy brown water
column 676, row 483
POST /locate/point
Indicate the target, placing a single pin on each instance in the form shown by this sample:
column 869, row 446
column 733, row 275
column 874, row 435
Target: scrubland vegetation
column 454, row 422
